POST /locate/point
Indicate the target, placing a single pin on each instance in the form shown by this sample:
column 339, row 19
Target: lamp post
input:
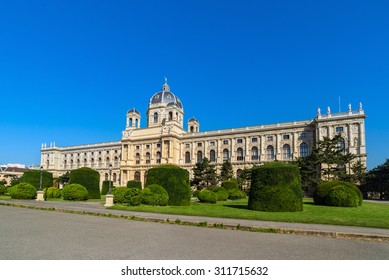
column 40, row 193
column 110, row 176
column 40, row 181
column 109, row 196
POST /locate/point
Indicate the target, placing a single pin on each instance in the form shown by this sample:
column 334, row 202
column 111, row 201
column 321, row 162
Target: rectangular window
column 199, row 144
column 137, row 147
column 225, row 142
column 339, row 129
column 303, row 135
column 187, row 145
column 286, row 137
column 269, row 138
column 147, row 146
column 159, row 145
column 254, row 139
column 212, row 143
column 239, row 141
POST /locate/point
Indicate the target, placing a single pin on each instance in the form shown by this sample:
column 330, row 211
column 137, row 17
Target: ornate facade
column 165, row 141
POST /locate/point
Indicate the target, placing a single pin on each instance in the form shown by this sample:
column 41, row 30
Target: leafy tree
column 204, row 174
column 377, row 180
column 244, row 177
column 358, row 172
column 226, row 172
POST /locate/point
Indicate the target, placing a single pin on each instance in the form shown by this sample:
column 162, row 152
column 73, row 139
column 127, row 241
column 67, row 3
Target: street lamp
column 40, row 181
column 109, row 183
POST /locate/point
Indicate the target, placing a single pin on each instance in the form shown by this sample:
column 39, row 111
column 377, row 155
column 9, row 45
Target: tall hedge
column 174, row 180
column 276, row 187
column 33, row 177
column 88, row 178
column 134, row 184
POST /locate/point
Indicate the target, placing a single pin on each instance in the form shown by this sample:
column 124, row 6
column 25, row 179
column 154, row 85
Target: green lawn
column 368, row 215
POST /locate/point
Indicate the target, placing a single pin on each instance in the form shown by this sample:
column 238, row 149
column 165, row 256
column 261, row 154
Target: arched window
column 130, row 122
column 199, row 156
column 187, row 157
column 64, row 164
column 286, row 151
column 145, row 177
column 342, row 145
column 92, row 162
column 212, row 156
column 170, row 116
column 116, row 161
column 137, row 176
column 85, row 162
column 303, row 150
column 114, row 177
column 239, row 154
column 100, row 162
column 107, row 161
column 71, row 164
column 106, row 177
column 158, row 157
column 254, row 153
column 270, row 152
column 136, row 122
column 191, row 129
column 148, row 158
column 47, row 164
column 137, row 158
column 226, row 155
column 155, row 117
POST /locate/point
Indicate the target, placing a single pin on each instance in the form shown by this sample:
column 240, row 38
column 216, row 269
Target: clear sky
column 70, row 70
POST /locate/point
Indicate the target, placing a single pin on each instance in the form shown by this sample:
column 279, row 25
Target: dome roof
column 193, row 119
column 165, row 96
column 133, row 111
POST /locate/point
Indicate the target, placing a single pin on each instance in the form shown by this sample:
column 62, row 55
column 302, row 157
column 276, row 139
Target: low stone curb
column 331, row 234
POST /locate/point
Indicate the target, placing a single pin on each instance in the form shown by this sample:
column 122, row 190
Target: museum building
column 165, row 141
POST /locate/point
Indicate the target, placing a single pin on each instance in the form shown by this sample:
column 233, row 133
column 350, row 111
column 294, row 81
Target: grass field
column 368, row 215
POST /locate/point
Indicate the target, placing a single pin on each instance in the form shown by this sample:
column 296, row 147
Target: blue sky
column 69, row 70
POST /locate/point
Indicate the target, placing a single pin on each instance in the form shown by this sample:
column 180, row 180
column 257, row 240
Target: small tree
column 204, row 174
column 377, row 180
column 226, row 172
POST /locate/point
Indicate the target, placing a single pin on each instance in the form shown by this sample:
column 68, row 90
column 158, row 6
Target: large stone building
column 165, row 141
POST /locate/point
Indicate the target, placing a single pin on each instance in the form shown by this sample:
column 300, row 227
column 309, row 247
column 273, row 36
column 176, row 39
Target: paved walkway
column 280, row 227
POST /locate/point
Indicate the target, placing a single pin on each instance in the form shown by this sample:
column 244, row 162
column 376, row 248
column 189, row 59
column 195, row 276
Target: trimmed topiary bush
column 320, row 196
column 105, row 186
column 230, row 184
column 221, row 193
column 33, row 177
column 174, row 180
column 276, row 187
column 155, row 195
column 132, row 197
column 74, row 192
column 118, row 194
column 134, row 184
column 88, row 178
column 53, row 192
column 342, row 196
column 207, row 196
column 22, row 191
column 236, row 194
column 3, row 189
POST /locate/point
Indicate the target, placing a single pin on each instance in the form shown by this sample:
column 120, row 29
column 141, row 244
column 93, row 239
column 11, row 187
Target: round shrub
column 88, row 178
column 134, row 184
column 221, row 193
column 154, row 195
column 53, row 192
column 22, row 191
column 276, row 187
column 33, row 177
column 3, row 189
column 118, row 194
column 105, row 187
column 236, row 194
column 230, row 184
column 322, row 191
column 206, row 196
column 174, row 180
column 74, row 192
column 342, row 196
column 132, row 197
